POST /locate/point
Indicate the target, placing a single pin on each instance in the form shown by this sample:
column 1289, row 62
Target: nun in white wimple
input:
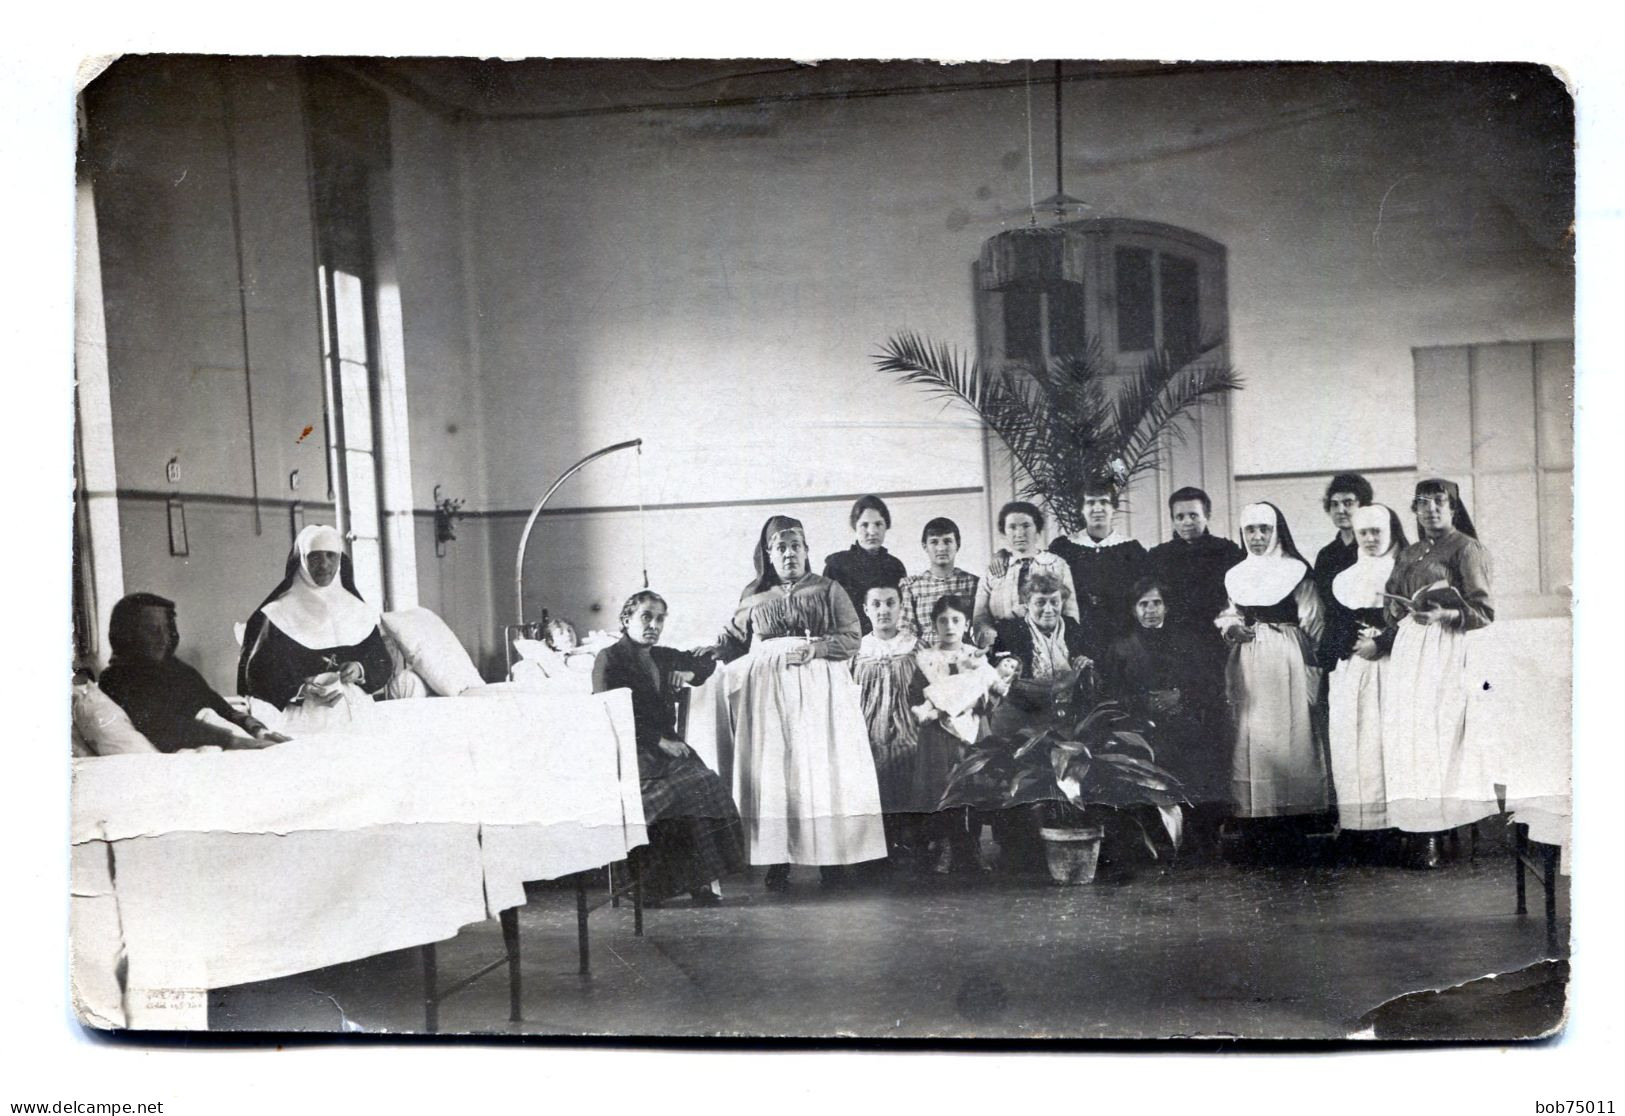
column 1273, row 621
column 1353, row 645
column 313, row 626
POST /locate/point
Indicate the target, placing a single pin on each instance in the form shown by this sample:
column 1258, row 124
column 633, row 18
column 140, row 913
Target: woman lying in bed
column 695, row 835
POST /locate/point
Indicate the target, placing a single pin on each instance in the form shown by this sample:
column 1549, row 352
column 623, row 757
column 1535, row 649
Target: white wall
column 715, row 281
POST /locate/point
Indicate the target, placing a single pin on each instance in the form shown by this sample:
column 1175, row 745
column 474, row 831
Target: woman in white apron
column 1436, row 775
column 1354, row 624
column 804, row 776
column 1278, row 771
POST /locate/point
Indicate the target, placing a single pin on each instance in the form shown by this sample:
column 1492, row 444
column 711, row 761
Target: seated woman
column 164, row 696
column 695, row 835
column 1047, row 642
column 804, row 776
column 1156, row 672
column 314, row 625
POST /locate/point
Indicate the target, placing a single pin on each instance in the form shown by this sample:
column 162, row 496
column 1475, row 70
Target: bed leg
column 510, row 945
column 637, row 897
column 581, row 924
column 1549, row 860
column 431, row 1003
column 1520, row 849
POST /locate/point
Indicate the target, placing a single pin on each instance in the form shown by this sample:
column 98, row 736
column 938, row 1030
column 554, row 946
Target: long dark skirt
column 695, row 835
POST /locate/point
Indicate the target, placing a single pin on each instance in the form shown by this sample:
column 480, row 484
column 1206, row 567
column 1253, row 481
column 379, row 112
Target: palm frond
column 1078, row 422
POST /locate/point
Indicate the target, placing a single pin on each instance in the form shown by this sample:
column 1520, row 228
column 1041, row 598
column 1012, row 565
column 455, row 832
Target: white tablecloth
column 204, row 871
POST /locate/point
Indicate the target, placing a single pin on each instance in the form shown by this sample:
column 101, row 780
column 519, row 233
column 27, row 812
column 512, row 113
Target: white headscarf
column 1362, row 584
column 1264, row 579
column 320, row 616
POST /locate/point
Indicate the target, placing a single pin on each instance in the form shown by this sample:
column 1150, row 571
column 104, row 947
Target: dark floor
column 1213, row 950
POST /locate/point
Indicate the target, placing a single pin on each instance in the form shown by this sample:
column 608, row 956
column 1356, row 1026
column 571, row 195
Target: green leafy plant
column 1077, row 423
column 1085, row 761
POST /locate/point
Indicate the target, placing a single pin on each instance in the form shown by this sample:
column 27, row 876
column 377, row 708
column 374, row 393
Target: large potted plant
column 1086, row 767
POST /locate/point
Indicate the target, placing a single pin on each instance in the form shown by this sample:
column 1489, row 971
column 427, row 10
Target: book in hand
column 1441, row 594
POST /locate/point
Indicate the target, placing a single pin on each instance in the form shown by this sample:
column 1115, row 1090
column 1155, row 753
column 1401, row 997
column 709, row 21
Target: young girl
column 883, row 669
column 952, row 695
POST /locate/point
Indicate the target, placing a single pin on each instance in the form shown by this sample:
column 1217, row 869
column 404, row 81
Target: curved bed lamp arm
column 524, row 537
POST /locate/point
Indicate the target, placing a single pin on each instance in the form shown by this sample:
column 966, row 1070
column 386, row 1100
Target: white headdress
column 1362, row 584
column 1264, row 579
column 320, row 616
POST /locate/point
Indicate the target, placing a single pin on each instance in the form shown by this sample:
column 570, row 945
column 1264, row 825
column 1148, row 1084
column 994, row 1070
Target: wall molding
column 1306, row 474
column 700, row 505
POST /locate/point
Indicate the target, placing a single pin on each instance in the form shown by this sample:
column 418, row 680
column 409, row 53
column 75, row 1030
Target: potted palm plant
column 1087, row 765
column 1079, row 424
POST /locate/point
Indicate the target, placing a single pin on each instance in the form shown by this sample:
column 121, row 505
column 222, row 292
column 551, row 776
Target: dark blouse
column 857, row 571
column 1103, row 576
column 1015, row 638
column 1456, row 558
column 274, row 666
column 1335, row 557
column 1343, row 626
column 1150, row 659
column 1194, row 572
column 1284, row 611
column 164, row 699
column 654, row 704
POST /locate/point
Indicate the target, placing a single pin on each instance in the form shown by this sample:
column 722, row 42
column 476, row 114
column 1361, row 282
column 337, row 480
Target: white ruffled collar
column 1085, row 540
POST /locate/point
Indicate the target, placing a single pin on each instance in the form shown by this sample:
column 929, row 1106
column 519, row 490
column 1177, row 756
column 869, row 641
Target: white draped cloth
column 803, row 775
column 194, row 872
column 1355, row 689
column 1355, row 728
column 1435, row 781
column 1277, row 768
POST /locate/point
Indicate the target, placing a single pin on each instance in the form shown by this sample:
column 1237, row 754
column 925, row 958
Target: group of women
column 1280, row 695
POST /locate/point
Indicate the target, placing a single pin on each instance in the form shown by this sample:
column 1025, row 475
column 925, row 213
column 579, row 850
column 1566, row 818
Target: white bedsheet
column 218, row 869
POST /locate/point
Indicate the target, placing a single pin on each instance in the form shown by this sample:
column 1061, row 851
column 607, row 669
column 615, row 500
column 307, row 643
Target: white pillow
column 101, row 727
column 404, row 682
column 430, row 649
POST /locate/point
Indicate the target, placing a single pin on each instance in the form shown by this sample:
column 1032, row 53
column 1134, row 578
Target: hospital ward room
column 888, row 550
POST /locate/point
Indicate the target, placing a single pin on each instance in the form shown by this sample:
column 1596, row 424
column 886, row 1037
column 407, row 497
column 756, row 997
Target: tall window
column 351, row 386
column 349, row 155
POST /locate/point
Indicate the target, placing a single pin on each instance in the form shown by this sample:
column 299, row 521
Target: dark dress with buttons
column 1103, row 576
column 857, row 571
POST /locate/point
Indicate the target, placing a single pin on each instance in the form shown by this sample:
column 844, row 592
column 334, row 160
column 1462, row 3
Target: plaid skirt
column 695, row 835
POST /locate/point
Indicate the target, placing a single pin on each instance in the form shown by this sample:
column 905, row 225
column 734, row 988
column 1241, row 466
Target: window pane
column 362, row 475
column 1068, row 336
column 1022, row 341
column 352, row 322
column 367, row 557
column 356, row 399
column 1181, row 316
column 321, row 303
column 1136, row 326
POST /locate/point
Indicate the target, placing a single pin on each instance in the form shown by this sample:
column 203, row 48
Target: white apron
column 804, row 776
column 1436, row 774
column 1355, row 724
